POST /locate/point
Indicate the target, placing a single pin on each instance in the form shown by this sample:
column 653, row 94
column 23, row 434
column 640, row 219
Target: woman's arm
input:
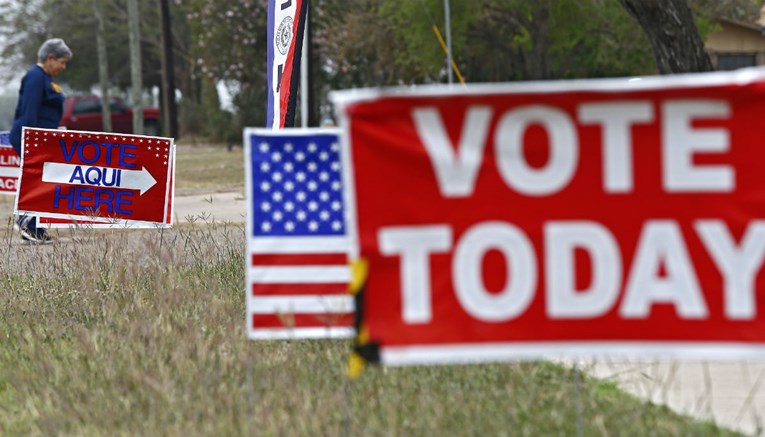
column 32, row 98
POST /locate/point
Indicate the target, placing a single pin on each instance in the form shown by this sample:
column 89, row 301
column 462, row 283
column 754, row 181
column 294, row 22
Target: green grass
column 141, row 333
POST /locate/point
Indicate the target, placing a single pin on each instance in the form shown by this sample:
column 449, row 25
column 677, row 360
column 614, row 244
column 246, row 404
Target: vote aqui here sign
column 97, row 177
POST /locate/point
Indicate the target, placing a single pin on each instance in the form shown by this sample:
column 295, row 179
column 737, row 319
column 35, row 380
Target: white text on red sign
column 93, row 186
column 661, row 242
column 456, row 173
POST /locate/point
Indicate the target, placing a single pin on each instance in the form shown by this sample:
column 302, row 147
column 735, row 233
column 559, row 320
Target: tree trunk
column 669, row 26
column 103, row 67
column 135, row 66
column 168, row 73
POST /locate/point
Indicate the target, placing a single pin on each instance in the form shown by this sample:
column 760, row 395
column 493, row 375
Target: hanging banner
column 297, row 242
column 9, row 165
column 542, row 219
column 286, row 25
column 116, row 179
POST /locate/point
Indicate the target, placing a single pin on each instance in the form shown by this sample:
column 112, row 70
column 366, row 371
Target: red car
column 84, row 113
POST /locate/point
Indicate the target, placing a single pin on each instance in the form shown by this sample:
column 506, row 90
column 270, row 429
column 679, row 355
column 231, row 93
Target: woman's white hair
column 55, row 47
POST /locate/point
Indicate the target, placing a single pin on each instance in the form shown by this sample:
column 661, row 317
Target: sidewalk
column 732, row 393
column 218, row 207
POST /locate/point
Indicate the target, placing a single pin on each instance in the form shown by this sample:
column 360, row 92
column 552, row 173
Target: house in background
column 736, row 44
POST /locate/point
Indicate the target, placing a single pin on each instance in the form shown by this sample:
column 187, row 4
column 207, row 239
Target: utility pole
column 313, row 119
column 103, row 67
column 168, row 73
column 447, row 15
column 135, row 65
column 307, row 113
column 304, row 68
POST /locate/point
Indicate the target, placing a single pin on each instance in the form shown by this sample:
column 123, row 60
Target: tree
column 362, row 43
column 25, row 25
column 743, row 10
column 388, row 42
column 136, row 78
column 228, row 47
column 553, row 40
column 170, row 117
column 356, row 45
column 423, row 59
column 103, row 67
column 669, row 26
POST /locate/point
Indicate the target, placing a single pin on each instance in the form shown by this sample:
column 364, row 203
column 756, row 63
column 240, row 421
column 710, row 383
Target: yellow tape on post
column 358, row 359
column 446, row 50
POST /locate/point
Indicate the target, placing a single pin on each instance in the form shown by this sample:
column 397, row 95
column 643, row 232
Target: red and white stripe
column 298, row 288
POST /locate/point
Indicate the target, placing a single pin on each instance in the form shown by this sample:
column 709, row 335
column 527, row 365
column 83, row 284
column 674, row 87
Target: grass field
column 141, row 333
column 208, row 169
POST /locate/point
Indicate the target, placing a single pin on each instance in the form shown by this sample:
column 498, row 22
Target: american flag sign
column 297, row 257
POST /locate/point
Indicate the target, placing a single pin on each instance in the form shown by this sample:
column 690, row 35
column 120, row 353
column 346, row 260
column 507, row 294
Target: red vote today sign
column 581, row 217
column 99, row 177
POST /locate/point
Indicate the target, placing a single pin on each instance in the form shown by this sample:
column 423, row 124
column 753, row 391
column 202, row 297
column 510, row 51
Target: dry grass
column 208, row 169
column 141, row 333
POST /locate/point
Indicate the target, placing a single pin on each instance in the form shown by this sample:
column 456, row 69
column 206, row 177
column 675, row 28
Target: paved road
column 731, row 393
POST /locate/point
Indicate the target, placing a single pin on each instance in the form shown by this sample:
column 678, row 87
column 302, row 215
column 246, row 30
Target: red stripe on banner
column 54, row 220
column 301, row 259
column 266, row 321
column 299, row 289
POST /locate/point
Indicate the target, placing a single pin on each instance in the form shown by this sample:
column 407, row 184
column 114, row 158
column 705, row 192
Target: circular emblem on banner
column 284, row 35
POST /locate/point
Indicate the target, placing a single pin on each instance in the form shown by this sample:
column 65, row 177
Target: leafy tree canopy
column 355, row 43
